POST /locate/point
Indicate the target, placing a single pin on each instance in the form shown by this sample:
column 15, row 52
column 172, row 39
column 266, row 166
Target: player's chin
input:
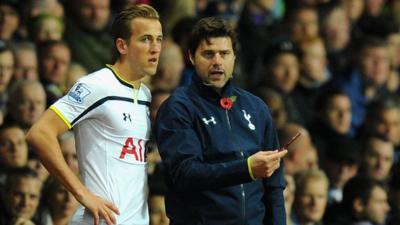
column 151, row 72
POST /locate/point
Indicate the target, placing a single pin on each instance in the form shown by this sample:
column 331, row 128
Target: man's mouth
column 153, row 61
column 216, row 72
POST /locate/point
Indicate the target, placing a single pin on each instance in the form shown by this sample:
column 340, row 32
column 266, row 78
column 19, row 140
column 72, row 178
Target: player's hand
column 264, row 163
column 22, row 221
column 99, row 208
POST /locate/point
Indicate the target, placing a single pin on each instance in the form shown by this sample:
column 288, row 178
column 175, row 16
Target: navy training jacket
column 204, row 149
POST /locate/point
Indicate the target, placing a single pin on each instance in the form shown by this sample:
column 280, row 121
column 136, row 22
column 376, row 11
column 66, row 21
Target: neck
column 124, row 71
column 218, row 90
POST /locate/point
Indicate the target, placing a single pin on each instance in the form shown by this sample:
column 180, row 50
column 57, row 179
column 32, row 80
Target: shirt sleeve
column 78, row 103
column 181, row 152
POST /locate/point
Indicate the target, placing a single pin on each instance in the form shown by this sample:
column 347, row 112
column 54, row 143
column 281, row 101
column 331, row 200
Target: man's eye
column 146, row 39
column 208, row 54
column 223, row 54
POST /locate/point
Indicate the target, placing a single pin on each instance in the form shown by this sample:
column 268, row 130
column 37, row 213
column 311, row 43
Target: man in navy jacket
column 218, row 142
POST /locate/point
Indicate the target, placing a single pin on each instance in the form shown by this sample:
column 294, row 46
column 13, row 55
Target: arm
column 43, row 137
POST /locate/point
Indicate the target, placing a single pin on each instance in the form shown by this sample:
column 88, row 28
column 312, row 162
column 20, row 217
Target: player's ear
column 121, row 45
column 191, row 57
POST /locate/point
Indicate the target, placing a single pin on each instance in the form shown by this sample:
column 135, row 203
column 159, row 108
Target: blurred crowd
column 326, row 68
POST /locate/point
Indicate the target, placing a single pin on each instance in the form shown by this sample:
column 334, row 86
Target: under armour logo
column 212, row 119
column 247, row 117
column 127, row 116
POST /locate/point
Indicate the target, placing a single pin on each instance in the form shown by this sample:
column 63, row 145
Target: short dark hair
column 4, row 47
column 8, row 125
column 370, row 42
column 325, row 97
column 376, row 107
column 43, row 47
column 16, row 175
column 278, row 48
column 359, row 187
column 210, row 27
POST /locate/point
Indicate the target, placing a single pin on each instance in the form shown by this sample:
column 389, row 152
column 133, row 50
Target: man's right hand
column 264, row 163
column 99, row 208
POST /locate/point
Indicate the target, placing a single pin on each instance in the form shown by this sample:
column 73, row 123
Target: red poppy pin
column 227, row 102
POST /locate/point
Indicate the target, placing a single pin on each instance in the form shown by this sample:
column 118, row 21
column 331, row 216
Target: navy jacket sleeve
column 181, row 152
column 273, row 196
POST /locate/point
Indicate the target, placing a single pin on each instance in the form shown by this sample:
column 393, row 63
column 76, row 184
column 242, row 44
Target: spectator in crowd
column 393, row 39
column 7, row 65
column 180, row 34
column 365, row 202
column 21, row 198
column 394, row 16
column 336, row 33
column 68, row 149
column 27, row 102
column 314, row 75
column 342, row 162
column 281, row 74
column 9, row 22
column 26, row 61
column 87, row 32
column 59, row 204
column 255, row 25
column 37, row 166
column 332, row 120
column 377, row 159
column 75, row 71
column 170, row 67
column 13, row 148
column 311, row 197
column 55, row 59
column 394, row 198
column 367, row 80
column 46, row 27
column 33, row 8
column 301, row 153
column 303, row 23
column 288, row 194
column 383, row 120
column 171, row 11
column 374, row 20
column 275, row 104
column 353, row 9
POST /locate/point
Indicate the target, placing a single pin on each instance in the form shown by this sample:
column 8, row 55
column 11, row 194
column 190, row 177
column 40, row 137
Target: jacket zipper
column 241, row 185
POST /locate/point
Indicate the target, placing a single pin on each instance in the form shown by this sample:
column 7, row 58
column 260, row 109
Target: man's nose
column 217, row 59
column 155, row 47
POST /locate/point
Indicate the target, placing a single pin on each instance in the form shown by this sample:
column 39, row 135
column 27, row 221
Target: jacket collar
column 208, row 92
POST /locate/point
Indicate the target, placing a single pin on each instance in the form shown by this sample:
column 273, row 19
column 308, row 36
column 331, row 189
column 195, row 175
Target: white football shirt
column 110, row 120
